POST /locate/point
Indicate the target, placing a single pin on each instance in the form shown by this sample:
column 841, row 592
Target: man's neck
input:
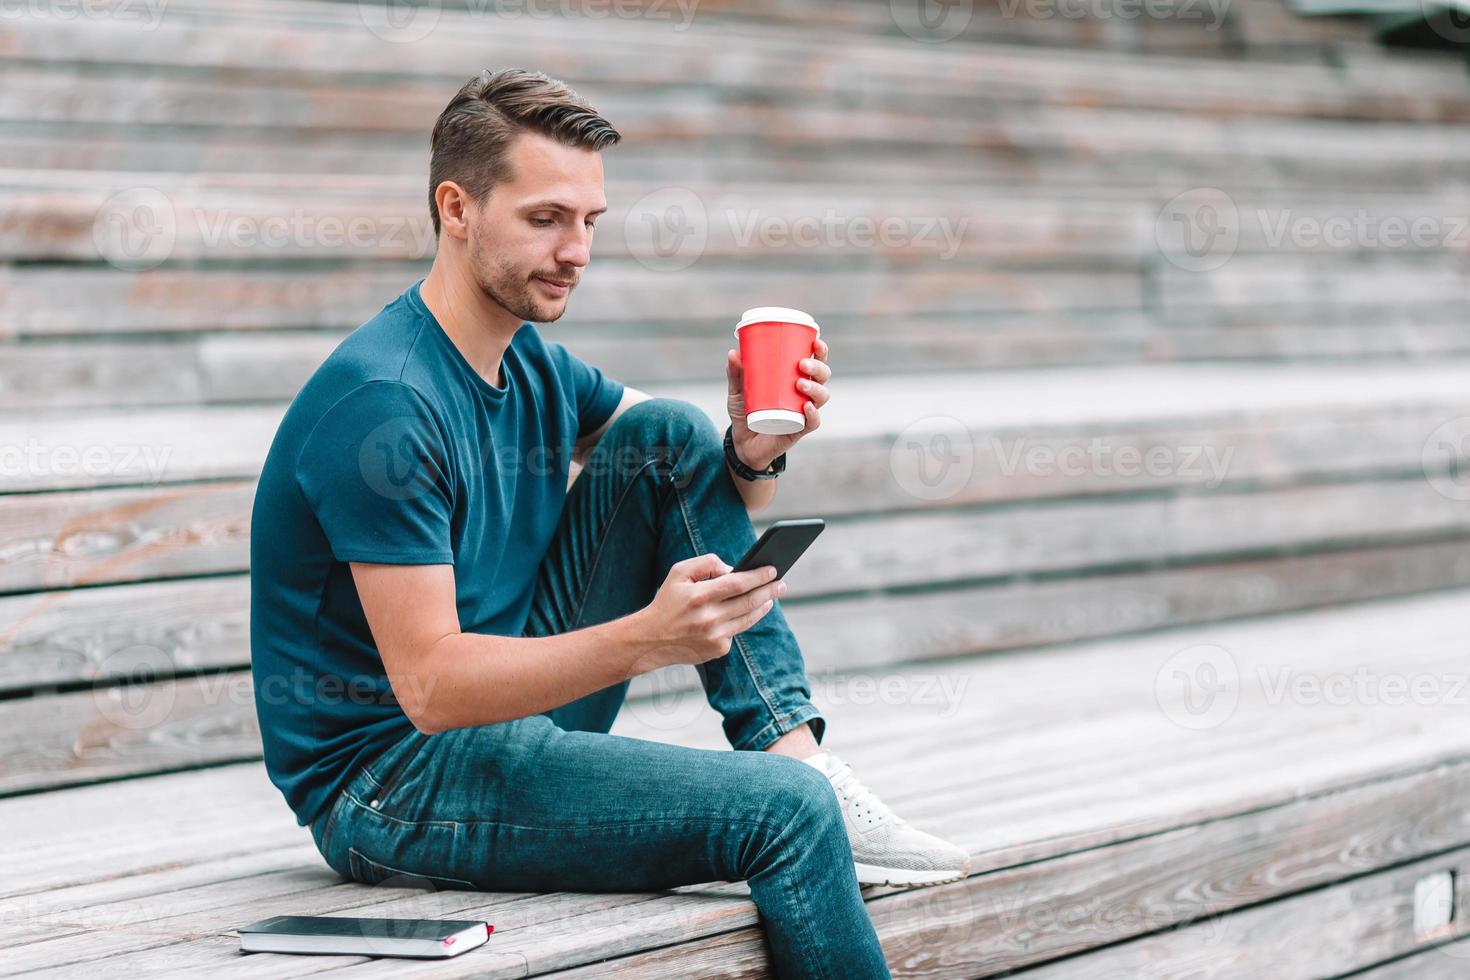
column 481, row 328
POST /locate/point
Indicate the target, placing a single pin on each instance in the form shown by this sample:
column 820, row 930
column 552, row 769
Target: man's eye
column 542, row 222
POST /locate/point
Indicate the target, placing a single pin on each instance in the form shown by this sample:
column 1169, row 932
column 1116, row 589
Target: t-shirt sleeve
column 375, row 471
column 596, row 394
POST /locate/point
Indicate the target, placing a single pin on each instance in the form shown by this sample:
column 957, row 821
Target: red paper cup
column 773, row 340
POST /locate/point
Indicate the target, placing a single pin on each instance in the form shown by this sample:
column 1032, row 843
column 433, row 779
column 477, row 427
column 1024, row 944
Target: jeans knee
column 803, row 798
column 675, row 425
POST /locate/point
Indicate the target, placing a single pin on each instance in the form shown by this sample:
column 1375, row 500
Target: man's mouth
column 556, row 285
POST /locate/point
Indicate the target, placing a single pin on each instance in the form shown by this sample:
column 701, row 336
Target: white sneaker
column 886, row 849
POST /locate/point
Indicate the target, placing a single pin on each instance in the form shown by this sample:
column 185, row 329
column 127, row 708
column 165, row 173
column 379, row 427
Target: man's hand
column 699, row 609
column 756, row 449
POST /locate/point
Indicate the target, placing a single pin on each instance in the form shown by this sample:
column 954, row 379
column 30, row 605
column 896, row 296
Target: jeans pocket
column 406, row 752
column 370, row 872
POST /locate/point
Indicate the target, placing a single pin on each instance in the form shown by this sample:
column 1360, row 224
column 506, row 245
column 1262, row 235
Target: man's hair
column 472, row 136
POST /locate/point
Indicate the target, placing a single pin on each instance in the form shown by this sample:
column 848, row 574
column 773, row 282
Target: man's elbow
column 415, row 690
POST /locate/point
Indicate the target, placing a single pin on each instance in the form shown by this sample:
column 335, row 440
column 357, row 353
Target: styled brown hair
column 473, row 134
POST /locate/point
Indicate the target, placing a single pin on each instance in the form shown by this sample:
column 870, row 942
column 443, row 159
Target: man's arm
column 583, row 446
column 444, row 678
column 757, row 494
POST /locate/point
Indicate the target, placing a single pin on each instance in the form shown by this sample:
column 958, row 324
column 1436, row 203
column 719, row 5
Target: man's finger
column 738, row 583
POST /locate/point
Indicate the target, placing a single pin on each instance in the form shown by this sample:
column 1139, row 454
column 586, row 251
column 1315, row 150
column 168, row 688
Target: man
column 443, row 630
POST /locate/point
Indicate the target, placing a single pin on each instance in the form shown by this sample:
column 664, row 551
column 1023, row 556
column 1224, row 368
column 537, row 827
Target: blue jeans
column 553, row 802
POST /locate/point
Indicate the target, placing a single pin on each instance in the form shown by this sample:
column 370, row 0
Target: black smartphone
column 781, row 544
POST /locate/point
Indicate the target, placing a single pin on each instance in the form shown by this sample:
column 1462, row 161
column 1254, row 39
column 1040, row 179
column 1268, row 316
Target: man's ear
column 454, row 209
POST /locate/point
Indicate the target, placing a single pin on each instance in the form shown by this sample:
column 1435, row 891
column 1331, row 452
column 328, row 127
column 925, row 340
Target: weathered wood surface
column 189, row 704
column 1009, row 434
column 1093, row 814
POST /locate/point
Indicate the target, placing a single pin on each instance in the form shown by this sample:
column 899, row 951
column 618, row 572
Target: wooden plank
column 1312, row 280
column 47, row 221
column 97, row 536
column 1015, row 436
column 884, row 77
column 1373, row 807
column 1385, row 154
column 1443, row 961
column 254, row 366
column 76, row 538
column 878, row 69
column 87, row 148
column 55, row 218
column 59, row 301
column 73, row 738
column 147, row 629
column 1358, row 920
column 1330, row 931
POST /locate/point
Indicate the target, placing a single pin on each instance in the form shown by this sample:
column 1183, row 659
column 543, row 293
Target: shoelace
column 866, row 806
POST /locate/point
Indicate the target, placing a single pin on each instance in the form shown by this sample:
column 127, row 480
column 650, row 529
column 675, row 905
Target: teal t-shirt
column 396, row 450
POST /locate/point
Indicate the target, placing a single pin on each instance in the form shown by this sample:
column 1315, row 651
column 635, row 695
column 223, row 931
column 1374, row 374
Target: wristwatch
column 777, row 467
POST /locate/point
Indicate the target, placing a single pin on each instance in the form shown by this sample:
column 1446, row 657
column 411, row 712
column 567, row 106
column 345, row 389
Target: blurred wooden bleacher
column 1303, row 516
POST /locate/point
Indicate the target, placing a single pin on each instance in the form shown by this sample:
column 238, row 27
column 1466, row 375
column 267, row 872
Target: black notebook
column 363, row 937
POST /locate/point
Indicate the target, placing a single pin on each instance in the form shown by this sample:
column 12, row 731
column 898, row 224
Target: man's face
column 531, row 237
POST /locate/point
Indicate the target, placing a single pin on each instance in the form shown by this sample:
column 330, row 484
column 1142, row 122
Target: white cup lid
column 763, row 314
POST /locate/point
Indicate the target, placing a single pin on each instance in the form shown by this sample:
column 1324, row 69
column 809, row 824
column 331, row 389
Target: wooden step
column 272, row 365
column 1074, row 786
column 187, row 700
column 1387, row 153
column 1284, row 422
column 67, row 217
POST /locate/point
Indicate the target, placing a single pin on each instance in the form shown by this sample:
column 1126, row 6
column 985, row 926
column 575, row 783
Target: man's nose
column 575, row 249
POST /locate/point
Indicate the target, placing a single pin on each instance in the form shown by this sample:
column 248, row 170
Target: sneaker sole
column 872, row 874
